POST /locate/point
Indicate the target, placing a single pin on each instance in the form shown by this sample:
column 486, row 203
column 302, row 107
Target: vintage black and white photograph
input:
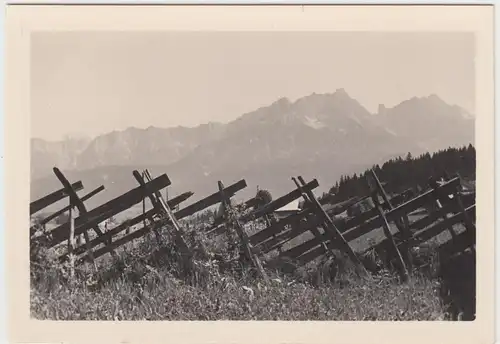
column 253, row 175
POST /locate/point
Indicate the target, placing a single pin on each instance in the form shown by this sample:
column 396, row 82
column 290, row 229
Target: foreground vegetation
column 162, row 297
column 138, row 285
column 145, row 282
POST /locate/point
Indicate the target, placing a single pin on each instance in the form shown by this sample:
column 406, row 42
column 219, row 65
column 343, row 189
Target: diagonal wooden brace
column 334, row 231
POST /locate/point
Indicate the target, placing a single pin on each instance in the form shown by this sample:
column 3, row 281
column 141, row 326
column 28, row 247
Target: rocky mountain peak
column 319, row 135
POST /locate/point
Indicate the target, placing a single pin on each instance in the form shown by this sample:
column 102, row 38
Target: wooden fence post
column 434, row 185
column 403, row 226
column 388, row 235
column 144, row 206
column 334, row 231
column 247, row 246
column 71, row 240
column 178, row 232
column 313, row 229
column 82, row 210
column 63, row 210
column 469, row 224
column 52, row 198
column 154, row 202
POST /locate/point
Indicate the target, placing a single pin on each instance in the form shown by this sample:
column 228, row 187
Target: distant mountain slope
column 317, row 136
column 46, row 154
column 127, row 147
column 429, row 122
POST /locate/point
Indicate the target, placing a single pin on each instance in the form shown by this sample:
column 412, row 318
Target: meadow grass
column 138, row 287
column 164, row 297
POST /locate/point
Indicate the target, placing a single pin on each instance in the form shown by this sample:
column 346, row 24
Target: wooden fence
column 148, row 188
column 329, row 231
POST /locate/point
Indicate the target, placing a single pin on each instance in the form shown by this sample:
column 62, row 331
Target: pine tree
column 402, row 174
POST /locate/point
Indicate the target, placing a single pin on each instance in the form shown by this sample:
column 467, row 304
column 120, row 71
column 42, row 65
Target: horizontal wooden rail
column 376, row 222
column 52, row 198
column 107, row 210
column 120, row 242
column 441, row 226
column 339, row 208
column 284, row 237
column 428, row 233
column 461, row 242
column 372, row 213
column 108, row 235
column 428, row 220
column 401, row 210
column 128, row 223
column 281, row 202
column 298, row 250
column 210, row 200
column 277, row 227
column 63, row 210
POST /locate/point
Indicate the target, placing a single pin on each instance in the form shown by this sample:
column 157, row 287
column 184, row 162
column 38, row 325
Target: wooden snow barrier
column 450, row 209
column 402, row 237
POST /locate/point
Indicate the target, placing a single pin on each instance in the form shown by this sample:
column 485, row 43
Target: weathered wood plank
column 428, row 233
column 65, row 209
column 387, row 232
column 120, row 242
column 284, row 237
column 306, row 246
column 178, row 231
column 173, row 202
column 233, row 220
column 55, row 196
column 110, row 208
column 252, row 202
column 468, row 221
column 447, row 188
column 281, row 202
column 71, row 243
column 129, row 198
column 403, row 251
column 210, row 200
column 116, row 230
column 461, row 242
column 134, row 235
column 149, row 214
column 431, row 218
column 370, row 214
column 402, row 209
column 75, row 201
column 312, row 254
column 403, row 222
column 281, row 214
column 128, row 223
column 319, row 212
column 339, row 208
column 154, row 203
column 441, row 226
column 298, row 250
column 439, row 205
column 277, row 227
column 310, row 250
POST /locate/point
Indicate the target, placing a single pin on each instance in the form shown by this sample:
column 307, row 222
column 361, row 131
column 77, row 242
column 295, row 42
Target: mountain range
column 318, row 136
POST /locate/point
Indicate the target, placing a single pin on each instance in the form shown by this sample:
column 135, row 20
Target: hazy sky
column 92, row 83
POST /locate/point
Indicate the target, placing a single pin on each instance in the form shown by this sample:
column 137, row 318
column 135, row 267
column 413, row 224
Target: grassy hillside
column 145, row 283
